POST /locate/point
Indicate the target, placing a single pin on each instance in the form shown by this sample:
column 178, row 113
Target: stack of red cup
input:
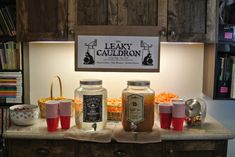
column 65, row 113
column 56, row 110
column 178, row 114
column 52, row 115
column 165, row 115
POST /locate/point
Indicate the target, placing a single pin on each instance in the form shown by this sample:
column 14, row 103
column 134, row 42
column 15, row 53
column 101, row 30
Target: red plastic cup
column 178, row 124
column 165, row 120
column 65, row 122
column 52, row 124
column 52, row 115
column 165, row 114
column 65, row 113
column 178, row 115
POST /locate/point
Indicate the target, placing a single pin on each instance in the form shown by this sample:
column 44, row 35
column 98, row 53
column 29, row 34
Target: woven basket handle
column 52, row 84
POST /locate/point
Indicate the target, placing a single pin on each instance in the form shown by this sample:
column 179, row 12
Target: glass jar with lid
column 90, row 99
column 195, row 111
column 138, row 106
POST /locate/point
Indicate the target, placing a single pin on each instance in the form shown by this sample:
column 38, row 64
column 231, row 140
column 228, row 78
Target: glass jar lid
column 138, row 83
column 91, row 82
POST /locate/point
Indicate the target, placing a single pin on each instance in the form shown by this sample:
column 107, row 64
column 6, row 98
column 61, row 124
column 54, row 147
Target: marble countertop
column 210, row 130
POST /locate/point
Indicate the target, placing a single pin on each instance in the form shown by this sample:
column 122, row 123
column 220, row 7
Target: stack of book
column 226, row 77
column 4, row 119
column 11, row 87
column 7, row 21
column 9, row 56
column 232, row 93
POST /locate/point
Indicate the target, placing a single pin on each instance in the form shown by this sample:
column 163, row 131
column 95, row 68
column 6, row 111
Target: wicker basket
column 42, row 101
column 114, row 108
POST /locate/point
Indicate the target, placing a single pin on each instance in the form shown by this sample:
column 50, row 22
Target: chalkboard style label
column 135, row 108
column 92, row 108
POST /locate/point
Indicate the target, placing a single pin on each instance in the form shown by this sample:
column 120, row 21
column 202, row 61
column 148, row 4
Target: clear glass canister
column 138, row 106
column 195, row 111
column 91, row 111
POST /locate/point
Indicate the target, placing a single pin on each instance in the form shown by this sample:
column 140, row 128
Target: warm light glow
column 52, row 42
column 182, row 43
column 181, row 69
column 69, row 42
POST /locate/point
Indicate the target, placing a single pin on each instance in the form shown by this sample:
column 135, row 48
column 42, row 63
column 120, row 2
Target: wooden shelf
column 3, row 3
column 220, row 98
column 15, row 70
column 221, row 53
column 226, row 42
column 7, row 38
column 8, row 104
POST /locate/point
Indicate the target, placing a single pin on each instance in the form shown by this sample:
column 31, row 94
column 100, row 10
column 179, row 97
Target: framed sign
column 117, row 53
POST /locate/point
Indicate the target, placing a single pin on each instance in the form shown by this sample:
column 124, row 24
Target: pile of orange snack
column 114, row 108
column 165, row 97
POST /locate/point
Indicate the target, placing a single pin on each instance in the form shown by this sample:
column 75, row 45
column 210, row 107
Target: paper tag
column 228, row 35
column 223, row 89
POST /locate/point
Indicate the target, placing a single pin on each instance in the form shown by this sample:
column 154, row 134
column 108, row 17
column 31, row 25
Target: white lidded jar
column 91, row 111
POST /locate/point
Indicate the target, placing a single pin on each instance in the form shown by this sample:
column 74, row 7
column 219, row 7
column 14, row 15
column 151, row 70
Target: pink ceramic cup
column 65, row 113
column 52, row 115
column 178, row 115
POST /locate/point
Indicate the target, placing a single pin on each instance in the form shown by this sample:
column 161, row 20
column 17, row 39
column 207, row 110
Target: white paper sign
column 138, row 53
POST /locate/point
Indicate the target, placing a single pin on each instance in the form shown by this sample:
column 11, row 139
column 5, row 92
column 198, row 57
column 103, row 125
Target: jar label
column 135, row 108
column 92, row 108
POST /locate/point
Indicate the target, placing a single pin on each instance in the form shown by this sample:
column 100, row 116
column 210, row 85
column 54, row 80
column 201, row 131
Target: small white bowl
column 24, row 114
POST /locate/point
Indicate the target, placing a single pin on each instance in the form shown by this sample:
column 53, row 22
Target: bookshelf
column 11, row 73
column 11, row 62
column 11, row 81
column 7, row 20
column 219, row 71
column 224, row 79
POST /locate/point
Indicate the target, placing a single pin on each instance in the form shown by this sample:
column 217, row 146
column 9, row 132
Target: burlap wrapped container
column 42, row 101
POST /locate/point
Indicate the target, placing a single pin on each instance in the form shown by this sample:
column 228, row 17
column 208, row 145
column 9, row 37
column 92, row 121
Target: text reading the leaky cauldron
column 118, row 49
